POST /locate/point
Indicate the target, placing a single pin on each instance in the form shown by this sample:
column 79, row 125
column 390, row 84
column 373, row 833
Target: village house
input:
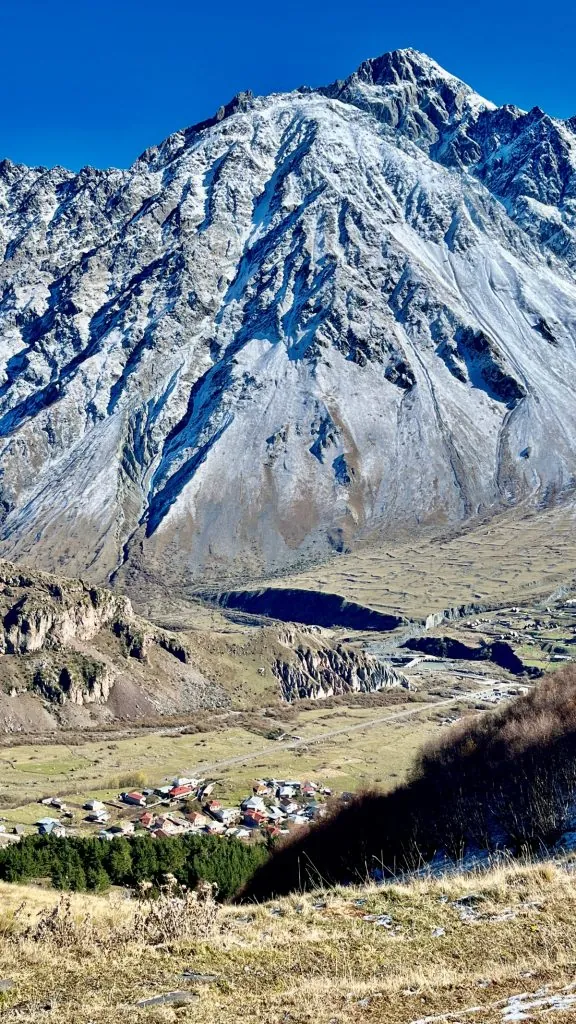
column 226, row 815
column 238, row 832
column 53, row 801
column 254, row 803
column 98, row 817
column 197, row 819
column 183, row 781
column 166, row 825
column 123, row 828
column 288, row 805
column 215, row 828
column 205, row 791
column 314, row 810
column 309, row 789
column 182, row 824
column 275, row 814
column 146, row 819
column 212, row 806
column 254, row 819
column 179, row 792
column 177, row 824
column 261, row 788
column 93, row 805
column 297, row 819
column 286, row 792
column 134, row 799
column 50, row 827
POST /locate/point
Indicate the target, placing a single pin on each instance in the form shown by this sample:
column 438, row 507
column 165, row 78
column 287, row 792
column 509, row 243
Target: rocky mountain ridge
column 317, row 317
column 74, row 655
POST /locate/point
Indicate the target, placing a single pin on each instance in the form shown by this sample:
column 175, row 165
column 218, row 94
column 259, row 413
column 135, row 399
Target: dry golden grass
column 304, row 959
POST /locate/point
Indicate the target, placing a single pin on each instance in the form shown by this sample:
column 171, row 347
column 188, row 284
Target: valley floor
column 368, row 742
column 491, row 949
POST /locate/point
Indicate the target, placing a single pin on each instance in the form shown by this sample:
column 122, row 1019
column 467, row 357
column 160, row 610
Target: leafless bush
column 60, row 926
column 172, row 914
column 176, row 913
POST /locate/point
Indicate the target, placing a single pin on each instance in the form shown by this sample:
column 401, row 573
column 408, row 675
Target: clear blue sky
column 97, row 81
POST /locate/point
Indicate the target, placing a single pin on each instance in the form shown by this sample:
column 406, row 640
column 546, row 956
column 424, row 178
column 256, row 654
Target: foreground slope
column 493, row 949
column 317, row 315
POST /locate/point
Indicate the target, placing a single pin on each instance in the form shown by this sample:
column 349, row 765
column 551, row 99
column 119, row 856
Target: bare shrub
column 176, row 913
column 169, row 915
column 60, row 926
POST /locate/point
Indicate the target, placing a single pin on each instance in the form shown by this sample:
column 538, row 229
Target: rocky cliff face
column 65, row 645
column 39, row 612
column 315, row 669
column 316, row 316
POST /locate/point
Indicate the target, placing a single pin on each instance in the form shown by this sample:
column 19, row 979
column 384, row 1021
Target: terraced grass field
column 514, row 557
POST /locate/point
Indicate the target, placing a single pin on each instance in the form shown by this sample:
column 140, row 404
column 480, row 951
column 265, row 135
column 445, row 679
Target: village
column 517, row 641
column 187, row 805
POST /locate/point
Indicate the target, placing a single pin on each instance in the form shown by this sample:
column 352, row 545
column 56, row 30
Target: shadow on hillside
column 503, row 779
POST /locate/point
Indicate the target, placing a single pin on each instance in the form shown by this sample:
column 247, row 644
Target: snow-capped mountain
column 315, row 316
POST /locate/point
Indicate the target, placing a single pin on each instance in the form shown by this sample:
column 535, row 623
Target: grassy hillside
column 79, row 768
column 474, row 948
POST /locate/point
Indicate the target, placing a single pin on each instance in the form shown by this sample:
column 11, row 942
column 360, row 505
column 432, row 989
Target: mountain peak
column 409, row 67
column 403, row 65
column 411, row 92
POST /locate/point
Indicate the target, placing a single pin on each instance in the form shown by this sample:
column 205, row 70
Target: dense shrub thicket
column 503, row 779
column 94, row 864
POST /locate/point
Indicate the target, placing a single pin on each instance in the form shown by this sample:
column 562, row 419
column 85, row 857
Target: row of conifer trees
column 80, row 864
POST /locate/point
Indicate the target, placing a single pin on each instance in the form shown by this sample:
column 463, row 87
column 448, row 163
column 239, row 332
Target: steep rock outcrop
column 66, row 645
column 54, row 616
column 81, row 680
column 317, row 669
